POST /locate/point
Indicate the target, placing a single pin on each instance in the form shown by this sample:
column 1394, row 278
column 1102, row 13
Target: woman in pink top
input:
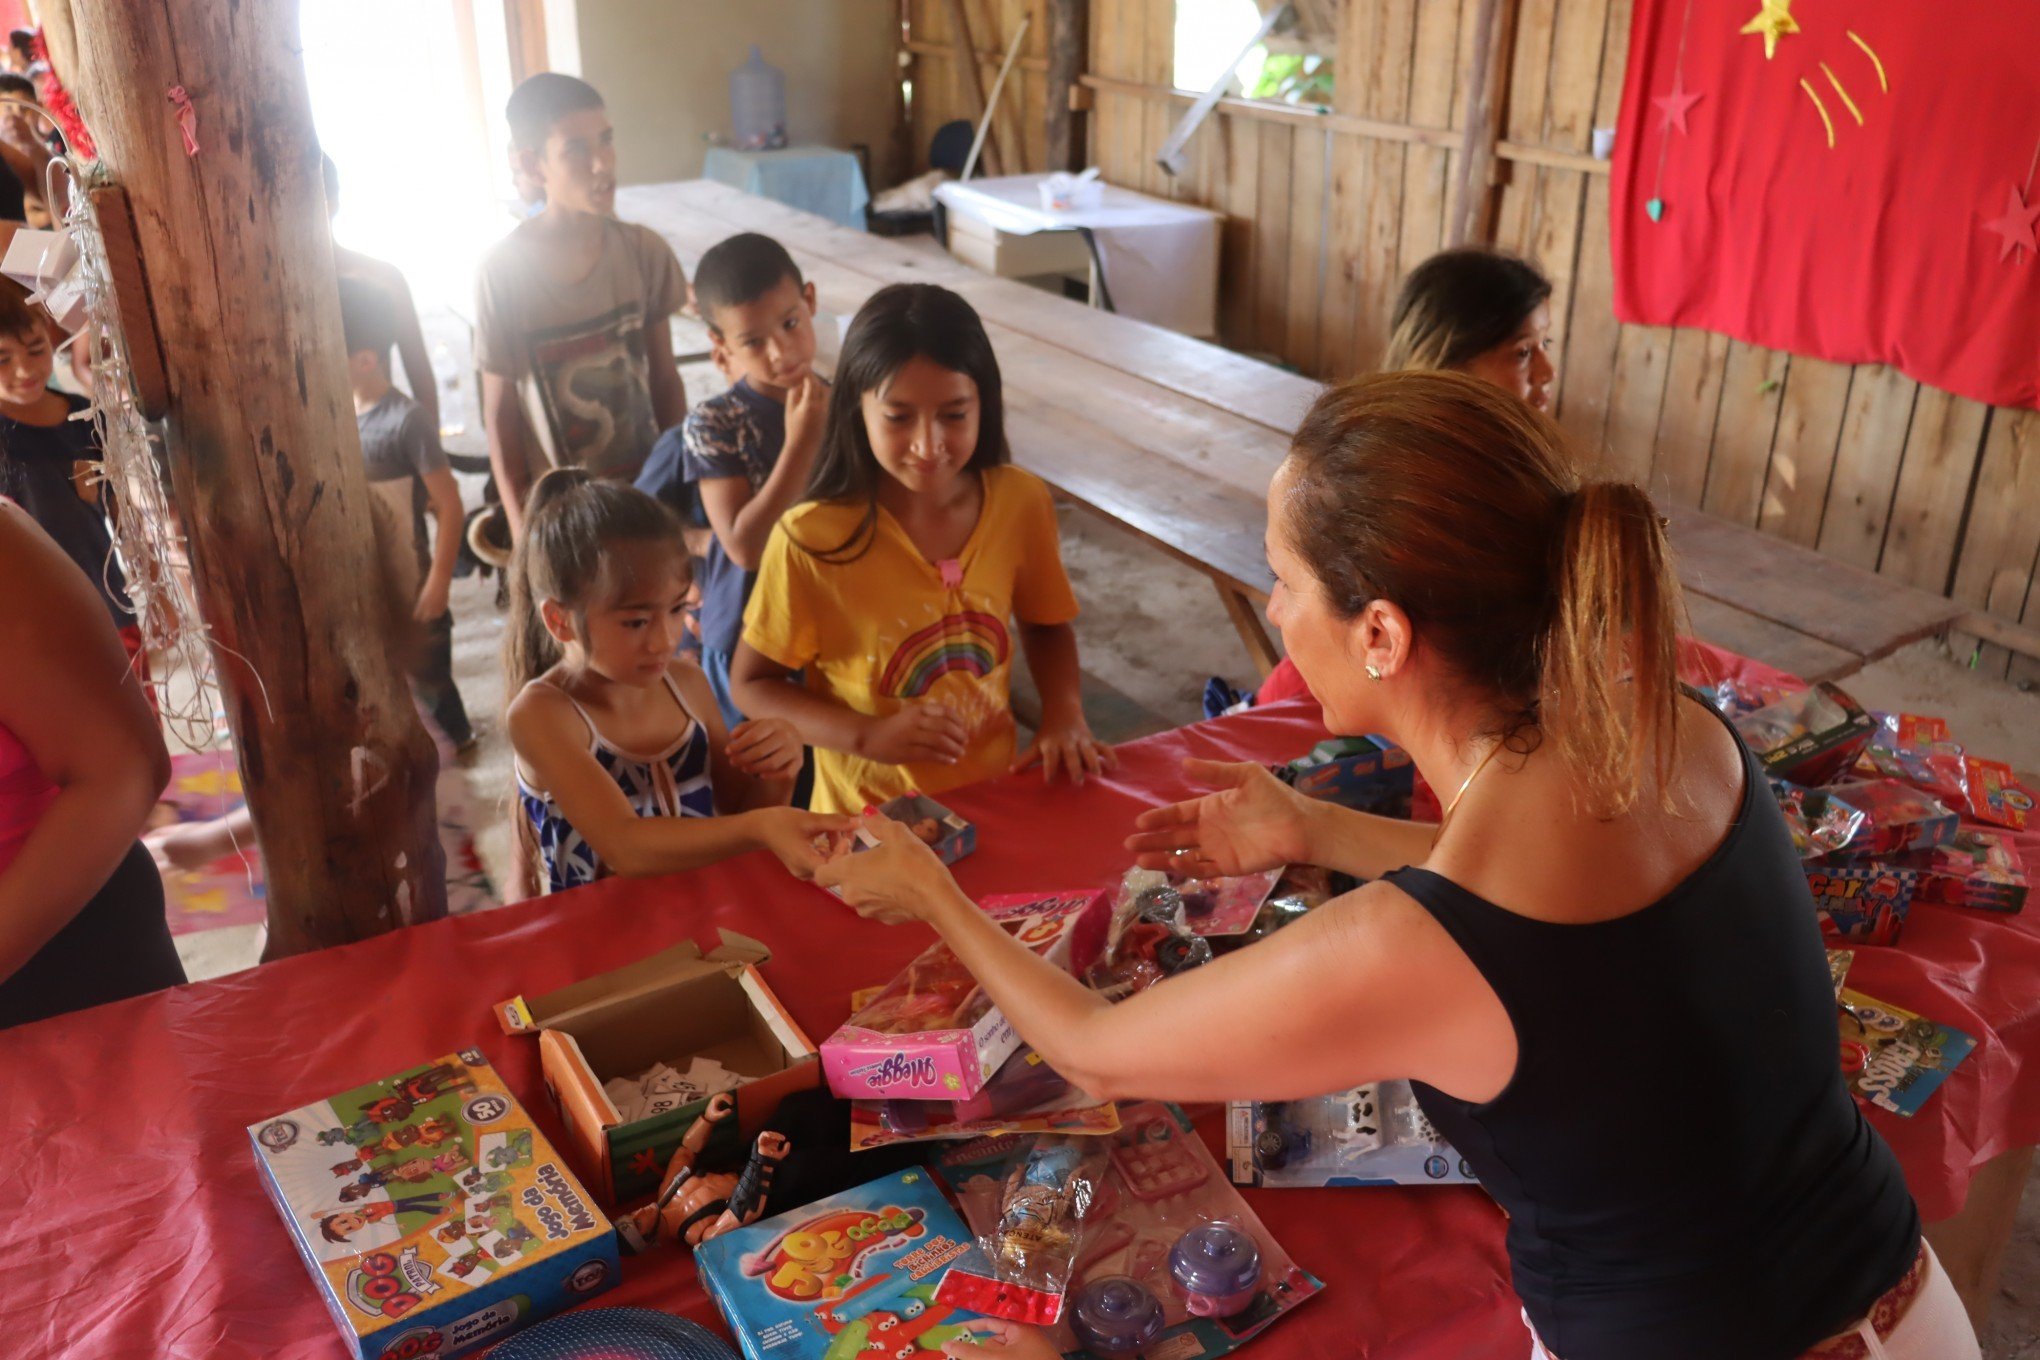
column 81, row 765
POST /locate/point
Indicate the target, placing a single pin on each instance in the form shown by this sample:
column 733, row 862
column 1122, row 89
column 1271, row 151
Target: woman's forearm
column 1056, row 1014
column 1362, row 844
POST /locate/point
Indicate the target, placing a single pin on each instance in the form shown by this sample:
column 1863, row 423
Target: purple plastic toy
column 1115, row 1316
column 1217, row 1267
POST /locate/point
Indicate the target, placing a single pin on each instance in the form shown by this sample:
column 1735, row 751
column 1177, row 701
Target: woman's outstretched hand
column 1252, row 822
column 898, row 879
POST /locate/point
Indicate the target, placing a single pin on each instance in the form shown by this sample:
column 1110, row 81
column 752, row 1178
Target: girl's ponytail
column 1610, row 674
column 529, row 651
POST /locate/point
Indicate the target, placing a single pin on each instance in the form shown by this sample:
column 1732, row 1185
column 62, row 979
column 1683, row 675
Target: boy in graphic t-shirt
column 572, row 332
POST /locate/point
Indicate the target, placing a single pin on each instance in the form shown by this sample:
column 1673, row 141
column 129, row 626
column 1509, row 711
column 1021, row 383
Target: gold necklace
column 1453, row 806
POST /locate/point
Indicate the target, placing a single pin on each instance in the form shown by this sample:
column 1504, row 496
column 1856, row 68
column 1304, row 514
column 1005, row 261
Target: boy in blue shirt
column 746, row 453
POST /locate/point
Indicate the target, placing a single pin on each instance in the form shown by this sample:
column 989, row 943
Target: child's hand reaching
column 804, row 841
column 1070, row 747
column 765, row 748
column 920, row 733
column 1002, row 1340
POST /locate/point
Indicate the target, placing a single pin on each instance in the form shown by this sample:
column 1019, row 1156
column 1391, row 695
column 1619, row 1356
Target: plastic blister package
column 1369, row 1135
column 1161, row 1265
column 1148, row 938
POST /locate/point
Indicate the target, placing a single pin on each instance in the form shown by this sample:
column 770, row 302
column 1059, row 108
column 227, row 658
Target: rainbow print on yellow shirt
column 889, row 627
column 972, row 643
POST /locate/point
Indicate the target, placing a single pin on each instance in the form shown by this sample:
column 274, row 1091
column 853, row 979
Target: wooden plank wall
column 1324, row 218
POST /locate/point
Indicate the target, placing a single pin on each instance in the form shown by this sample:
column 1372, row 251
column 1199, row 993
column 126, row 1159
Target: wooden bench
column 1175, row 440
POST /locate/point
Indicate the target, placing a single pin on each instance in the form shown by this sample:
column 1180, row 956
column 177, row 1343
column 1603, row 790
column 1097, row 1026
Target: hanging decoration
column 1858, row 186
column 144, row 524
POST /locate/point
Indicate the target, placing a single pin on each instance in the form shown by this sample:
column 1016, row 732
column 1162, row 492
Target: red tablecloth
column 135, row 1225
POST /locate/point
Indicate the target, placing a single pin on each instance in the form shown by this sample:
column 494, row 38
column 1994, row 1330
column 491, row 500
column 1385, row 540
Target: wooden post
column 1487, row 102
column 264, row 457
column 970, row 81
column 1069, row 43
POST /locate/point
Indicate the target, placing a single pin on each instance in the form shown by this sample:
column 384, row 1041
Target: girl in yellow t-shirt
column 881, row 622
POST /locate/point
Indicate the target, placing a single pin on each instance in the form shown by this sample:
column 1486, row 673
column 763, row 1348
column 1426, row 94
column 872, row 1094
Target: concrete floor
column 1153, row 630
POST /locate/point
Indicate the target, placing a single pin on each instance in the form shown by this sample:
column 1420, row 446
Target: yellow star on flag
column 1773, row 21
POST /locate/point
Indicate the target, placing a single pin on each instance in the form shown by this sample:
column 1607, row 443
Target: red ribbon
column 187, row 119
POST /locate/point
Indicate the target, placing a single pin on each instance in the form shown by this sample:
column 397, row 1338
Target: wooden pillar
column 264, row 457
column 1069, row 43
column 1487, row 102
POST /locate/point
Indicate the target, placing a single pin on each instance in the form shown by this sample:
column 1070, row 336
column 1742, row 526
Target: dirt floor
column 1152, row 631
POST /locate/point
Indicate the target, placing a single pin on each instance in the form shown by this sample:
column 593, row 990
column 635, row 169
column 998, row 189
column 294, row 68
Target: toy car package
column 1893, row 1058
column 851, row 1275
column 1370, row 1135
column 1811, row 737
column 432, row 1214
column 1995, row 794
column 1863, row 903
column 1368, row 774
column 1873, row 818
column 1979, row 869
column 1821, row 823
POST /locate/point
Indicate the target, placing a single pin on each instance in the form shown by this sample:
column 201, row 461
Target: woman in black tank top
column 1601, row 969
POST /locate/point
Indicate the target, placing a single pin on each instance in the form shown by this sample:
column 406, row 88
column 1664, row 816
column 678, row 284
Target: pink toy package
column 932, row 1033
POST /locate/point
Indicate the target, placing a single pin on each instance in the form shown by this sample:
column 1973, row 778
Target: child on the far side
column 623, row 763
column 46, row 460
column 747, row 450
column 407, row 471
column 893, row 584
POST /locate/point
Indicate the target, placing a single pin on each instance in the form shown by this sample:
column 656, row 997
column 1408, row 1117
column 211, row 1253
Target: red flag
column 1865, row 193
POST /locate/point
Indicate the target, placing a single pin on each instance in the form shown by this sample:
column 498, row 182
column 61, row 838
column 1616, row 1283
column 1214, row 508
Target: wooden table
column 1175, row 440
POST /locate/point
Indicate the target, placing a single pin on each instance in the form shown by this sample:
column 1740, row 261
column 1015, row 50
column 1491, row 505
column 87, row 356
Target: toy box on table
column 1863, row 903
column 948, row 835
column 1160, row 1186
column 932, row 1033
column 1370, row 1135
column 1369, row 774
column 678, row 1004
column 1979, row 869
column 435, row 1218
column 851, row 1275
column 1809, row 737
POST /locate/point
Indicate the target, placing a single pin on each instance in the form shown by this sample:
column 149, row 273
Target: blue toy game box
column 848, row 1276
column 435, row 1218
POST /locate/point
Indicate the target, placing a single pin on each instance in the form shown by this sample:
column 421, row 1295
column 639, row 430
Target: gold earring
column 1373, row 671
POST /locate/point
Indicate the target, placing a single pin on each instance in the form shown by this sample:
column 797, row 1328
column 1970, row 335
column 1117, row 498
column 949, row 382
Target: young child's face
column 771, row 338
column 923, row 425
column 26, row 362
column 631, row 634
column 577, row 165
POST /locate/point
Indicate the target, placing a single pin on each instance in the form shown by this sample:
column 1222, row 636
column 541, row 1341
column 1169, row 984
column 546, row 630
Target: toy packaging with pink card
column 932, row 1033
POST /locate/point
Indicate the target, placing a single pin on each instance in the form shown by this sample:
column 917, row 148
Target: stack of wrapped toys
column 428, row 1206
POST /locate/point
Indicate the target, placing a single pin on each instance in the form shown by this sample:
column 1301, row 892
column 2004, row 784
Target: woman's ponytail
column 1616, row 621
